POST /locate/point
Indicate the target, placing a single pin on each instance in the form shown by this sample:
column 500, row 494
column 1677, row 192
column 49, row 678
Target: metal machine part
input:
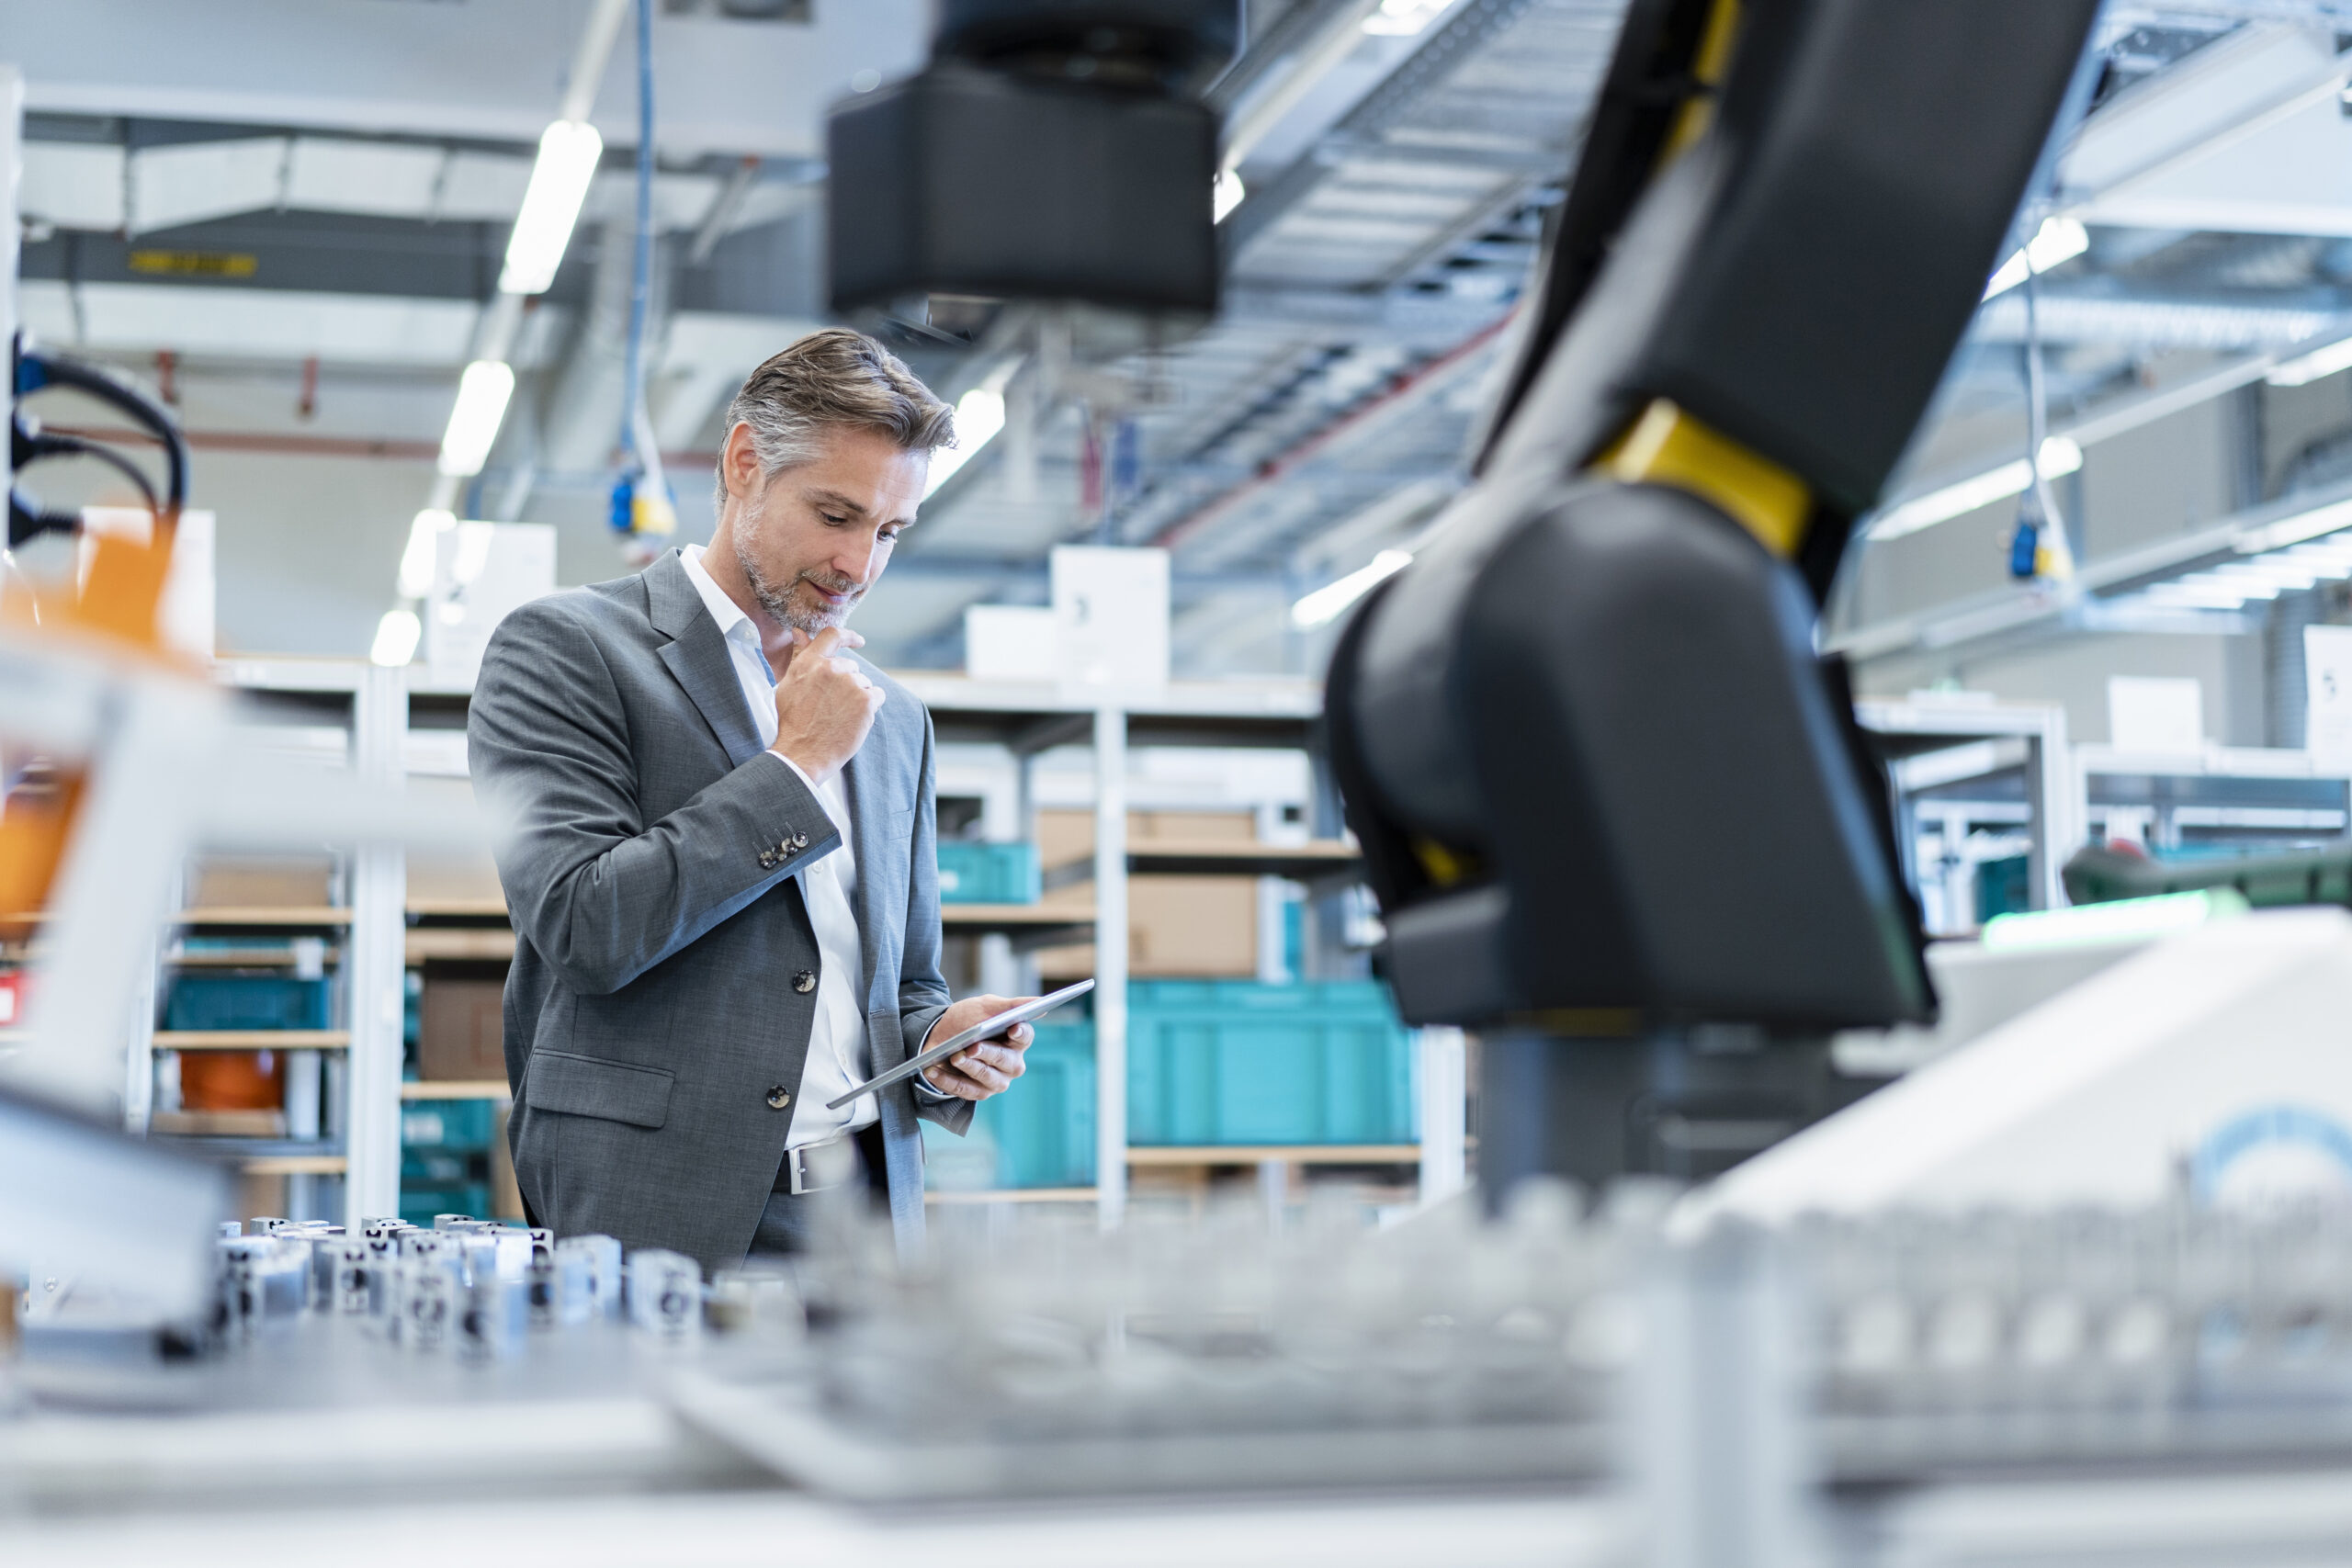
column 1055, row 152
column 1607, row 790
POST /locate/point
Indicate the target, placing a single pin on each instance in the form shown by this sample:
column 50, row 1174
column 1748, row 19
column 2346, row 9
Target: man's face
column 813, row 539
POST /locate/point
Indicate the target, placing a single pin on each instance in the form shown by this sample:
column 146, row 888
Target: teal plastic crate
column 1237, row 1061
column 245, row 1002
column 1209, row 1062
column 1040, row 1132
column 988, row 873
column 449, row 1124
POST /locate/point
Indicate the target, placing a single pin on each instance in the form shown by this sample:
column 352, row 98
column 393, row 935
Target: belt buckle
column 804, row 1179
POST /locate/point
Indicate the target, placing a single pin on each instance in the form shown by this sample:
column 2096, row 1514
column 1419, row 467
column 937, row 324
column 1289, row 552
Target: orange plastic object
column 232, row 1080
column 117, row 603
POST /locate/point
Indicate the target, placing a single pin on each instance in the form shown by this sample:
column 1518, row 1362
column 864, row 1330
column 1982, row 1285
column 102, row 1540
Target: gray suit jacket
column 651, row 1016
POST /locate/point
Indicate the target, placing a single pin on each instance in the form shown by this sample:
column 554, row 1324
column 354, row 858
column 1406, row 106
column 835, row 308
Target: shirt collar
column 735, row 625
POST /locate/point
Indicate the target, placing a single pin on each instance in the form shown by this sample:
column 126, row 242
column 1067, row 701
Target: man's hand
column 988, row 1067
column 825, row 707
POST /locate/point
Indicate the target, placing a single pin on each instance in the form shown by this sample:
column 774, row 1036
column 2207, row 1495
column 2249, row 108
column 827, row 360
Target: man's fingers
column 850, row 638
column 1006, row 1059
column 825, row 642
column 976, row 1068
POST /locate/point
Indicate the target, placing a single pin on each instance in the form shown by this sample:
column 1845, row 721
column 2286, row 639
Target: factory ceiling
column 346, row 210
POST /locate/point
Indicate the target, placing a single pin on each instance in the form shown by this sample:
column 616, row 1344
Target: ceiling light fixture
column 1403, row 18
column 2193, row 595
column 1330, row 602
column 482, row 393
column 570, row 151
column 2060, row 456
column 395, row 636
column 423, row 543
column 2312, row 524
column 2059, row 240
column 979, row 417
column 1225, row 195
column 2306, row 368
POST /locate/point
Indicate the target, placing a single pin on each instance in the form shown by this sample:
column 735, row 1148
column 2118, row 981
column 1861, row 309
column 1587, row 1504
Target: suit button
column 800, row 841
column 767, row 859
column 805, row 982
column 778, row 1098
column 783, row 850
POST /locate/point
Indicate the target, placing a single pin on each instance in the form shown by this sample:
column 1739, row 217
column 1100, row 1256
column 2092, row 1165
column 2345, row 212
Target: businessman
column 717, row 843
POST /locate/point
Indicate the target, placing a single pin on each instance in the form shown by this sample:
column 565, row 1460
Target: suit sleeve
column 601, row 893
column 923, row 993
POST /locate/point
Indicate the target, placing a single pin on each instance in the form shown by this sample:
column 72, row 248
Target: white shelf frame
column 1039, row 716
column 1069, row 715
column 2052, row 786
column 377, row 924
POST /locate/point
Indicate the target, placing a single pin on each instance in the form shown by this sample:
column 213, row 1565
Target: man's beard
column 776, row 597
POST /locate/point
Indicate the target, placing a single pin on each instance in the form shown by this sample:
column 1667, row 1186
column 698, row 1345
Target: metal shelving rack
column 2250, row 798
column 1028, row 720
column 1958, row 767
column 369, row 705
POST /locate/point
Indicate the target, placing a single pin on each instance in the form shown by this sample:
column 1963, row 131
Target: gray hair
column 828, row 380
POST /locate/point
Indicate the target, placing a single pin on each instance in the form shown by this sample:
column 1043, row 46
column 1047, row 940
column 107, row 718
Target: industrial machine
column 1614, row 806
column 1053, row 151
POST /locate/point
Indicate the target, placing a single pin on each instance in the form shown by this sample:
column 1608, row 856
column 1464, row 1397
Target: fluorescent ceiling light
column 980, row 414
column 569, row 152
column 2310, row 366
column 2059, row 240
column 1328, row 602
column 395, row 636
column 2060, row 456
column 2328, row 559
column 2317, row 522
column 424, row 542
column 1403, row 18
column 1225, row 195
column 482, row 392
column 2287, row 574
column 2195, row 596
column 473, row 552
column 2241, row 587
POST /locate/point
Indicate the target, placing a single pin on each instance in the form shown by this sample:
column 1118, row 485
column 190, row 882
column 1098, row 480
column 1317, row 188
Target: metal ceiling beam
column 1469, row 27
column 1282, row 41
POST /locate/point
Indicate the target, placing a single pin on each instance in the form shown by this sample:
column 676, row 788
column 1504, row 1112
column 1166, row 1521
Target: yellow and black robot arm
column 1597, row 769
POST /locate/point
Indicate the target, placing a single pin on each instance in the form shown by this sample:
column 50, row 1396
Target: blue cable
column 642, row 281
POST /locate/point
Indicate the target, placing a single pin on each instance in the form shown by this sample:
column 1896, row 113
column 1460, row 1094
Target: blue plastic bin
column 1237, row 1061
column 1209, row 1062
column 988, row 873
column 466, row 1124
column 1038, row 1134
column 245, row 1002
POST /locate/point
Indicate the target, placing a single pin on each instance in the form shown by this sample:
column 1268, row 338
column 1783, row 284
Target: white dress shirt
column 838, row 1057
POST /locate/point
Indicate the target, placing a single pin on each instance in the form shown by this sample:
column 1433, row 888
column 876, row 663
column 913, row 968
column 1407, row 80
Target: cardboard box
column 219, row 1123
column 461, row 1029
column 1202, row 927
column 454, row 887
column 273, row 882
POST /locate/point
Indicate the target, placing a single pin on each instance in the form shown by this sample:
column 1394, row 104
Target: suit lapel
column 866, row 808
column 697, row 658
column 876, row 782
